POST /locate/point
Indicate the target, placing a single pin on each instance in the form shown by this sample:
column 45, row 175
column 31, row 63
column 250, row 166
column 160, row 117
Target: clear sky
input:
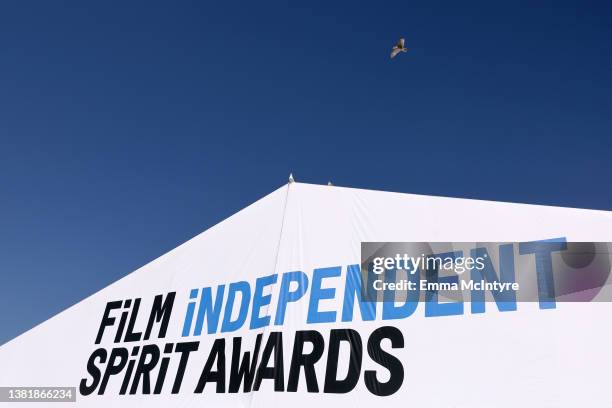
column 126, row 128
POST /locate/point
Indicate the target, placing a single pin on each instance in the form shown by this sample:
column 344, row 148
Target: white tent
column 530, row 357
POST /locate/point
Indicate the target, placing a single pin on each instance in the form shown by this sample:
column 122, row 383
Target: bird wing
column 394, row 52
column 400, row 43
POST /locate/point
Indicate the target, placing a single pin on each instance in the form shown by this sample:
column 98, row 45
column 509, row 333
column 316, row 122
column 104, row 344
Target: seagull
column 291, row 179
column 397, row 48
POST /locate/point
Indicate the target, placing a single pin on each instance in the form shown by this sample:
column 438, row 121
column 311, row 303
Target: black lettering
column 116, row 362
column 144, row 367
column 247, row 366
column 332, row 384
column 299, row 359
column 217, row 353
column 106, row 319
column 386, row 360
column 274, row 346
column 184, row 349
column 94, row 371
column 130, row 335
column 160, row 312
column 163, row 368
column 128, row 371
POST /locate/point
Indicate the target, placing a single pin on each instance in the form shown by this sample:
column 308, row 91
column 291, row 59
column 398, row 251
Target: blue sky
column 128, row 127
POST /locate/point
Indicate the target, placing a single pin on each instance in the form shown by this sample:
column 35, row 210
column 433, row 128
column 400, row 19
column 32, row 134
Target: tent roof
column 296, row 227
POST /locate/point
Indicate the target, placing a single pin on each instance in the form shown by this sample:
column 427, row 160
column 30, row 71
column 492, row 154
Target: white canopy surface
column 557, row 357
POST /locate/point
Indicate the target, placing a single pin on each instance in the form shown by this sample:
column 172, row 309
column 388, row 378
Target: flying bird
column 397, row 48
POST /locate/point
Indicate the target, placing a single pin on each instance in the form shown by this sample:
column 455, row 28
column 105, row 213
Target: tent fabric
column 545, row 358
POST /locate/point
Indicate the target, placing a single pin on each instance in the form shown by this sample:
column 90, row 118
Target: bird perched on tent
column 397, row 48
